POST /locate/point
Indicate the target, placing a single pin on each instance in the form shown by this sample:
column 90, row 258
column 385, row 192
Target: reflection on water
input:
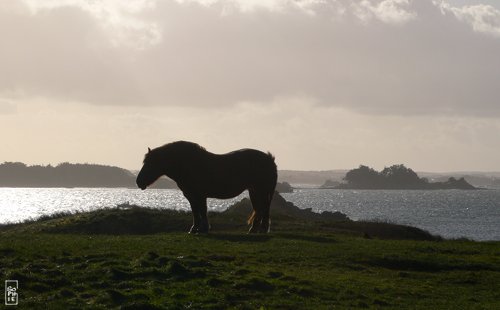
column 450, row 213
column 17, row 204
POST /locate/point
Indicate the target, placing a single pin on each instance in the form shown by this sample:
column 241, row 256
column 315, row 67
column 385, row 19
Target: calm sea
column 449, row 213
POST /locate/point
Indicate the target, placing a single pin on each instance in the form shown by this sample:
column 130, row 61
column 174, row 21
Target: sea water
column 449, row 213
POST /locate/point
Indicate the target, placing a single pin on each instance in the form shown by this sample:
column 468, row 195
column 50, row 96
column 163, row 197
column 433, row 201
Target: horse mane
column 271, row 155
column 175, row 148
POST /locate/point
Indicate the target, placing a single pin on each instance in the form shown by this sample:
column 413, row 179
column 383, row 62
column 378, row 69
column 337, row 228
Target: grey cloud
column 412, row 58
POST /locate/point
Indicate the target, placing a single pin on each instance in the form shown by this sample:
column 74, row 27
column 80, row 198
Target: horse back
column 227, row 175
column 246, row 164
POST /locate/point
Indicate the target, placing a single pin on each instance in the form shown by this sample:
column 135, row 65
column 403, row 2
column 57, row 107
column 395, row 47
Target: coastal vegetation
column 141, row 258
column 395, row 177
column 16, row 174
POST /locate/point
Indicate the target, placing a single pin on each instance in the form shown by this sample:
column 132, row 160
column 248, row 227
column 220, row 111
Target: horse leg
column 257, row 207
column 255, row 227
column 266, row 220
column 263, row 199
column 204, row 225
column 195, row 209
column 196, row 222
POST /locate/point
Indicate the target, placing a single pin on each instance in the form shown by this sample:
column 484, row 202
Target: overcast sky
column 322, row 84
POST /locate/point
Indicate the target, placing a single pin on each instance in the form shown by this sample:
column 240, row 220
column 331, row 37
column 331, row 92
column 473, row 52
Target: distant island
column 15, row 174
column 329, row 184
column 395, row 177
column 284, row 187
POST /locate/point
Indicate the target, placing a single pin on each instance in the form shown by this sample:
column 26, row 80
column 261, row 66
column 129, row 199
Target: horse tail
column 250, row 219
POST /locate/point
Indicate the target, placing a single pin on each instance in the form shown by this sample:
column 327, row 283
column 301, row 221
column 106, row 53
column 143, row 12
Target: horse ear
column 149, row 150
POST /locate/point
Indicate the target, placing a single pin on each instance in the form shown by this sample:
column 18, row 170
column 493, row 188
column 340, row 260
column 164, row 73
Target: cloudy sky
column 322, row 84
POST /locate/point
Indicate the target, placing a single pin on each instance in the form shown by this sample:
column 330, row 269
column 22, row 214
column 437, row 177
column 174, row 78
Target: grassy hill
column 137, row 258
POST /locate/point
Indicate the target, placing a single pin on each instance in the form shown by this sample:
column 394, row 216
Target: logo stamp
column 11, row 292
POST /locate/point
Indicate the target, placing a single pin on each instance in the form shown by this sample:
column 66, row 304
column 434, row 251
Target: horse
column 200, row 174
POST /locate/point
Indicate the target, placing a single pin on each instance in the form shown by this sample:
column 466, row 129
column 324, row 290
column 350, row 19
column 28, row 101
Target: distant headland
column 15, row 174
column 395, row 177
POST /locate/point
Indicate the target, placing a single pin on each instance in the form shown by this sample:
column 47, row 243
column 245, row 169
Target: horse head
column 150, row 172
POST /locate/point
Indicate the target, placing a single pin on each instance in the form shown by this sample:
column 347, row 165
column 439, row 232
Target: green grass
column 300, row 265
column 281, row 270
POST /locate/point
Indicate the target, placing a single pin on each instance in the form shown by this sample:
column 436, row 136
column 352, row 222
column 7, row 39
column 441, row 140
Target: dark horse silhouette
column 201, row 175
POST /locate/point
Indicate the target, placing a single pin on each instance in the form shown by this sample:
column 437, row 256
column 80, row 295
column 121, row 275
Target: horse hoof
column 253, row 231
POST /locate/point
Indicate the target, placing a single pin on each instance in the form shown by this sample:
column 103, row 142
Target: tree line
column 395, row 177
column 16, row 174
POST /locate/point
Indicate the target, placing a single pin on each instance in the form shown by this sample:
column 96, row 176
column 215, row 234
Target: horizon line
column 287, row 169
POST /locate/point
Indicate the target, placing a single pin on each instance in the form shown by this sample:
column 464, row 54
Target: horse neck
column 165, row 170
column 170, row 168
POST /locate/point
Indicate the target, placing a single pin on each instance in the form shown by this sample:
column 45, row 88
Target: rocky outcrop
column 282, row 208
column 329, row 184
column 284, row 187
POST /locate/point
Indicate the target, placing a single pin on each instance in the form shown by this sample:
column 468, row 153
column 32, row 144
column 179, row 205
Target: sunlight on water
column 18, row 204
column 450, row 213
